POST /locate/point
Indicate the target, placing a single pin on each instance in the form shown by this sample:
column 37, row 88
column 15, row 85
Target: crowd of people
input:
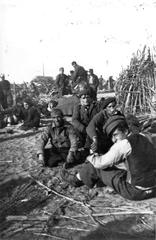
column 113, row 151
column 79, row 75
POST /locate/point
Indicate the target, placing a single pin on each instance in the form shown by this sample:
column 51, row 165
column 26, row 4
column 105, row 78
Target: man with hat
column 100, row 142
column 129, row 167
column 93, row 81
column 82, row 115
column 63, row 141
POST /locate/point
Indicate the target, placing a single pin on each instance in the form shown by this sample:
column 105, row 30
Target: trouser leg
column 53, row 158
column 115, row 178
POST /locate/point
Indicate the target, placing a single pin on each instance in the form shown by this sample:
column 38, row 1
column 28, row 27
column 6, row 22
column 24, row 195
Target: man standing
column 129, row 167
column 62, row 82
column 93, row 81
column 5, row 93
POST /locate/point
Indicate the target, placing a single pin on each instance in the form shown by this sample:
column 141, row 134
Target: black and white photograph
column 77, row 120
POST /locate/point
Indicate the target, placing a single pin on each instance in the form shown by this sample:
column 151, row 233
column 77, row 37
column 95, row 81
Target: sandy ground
column 29, row 211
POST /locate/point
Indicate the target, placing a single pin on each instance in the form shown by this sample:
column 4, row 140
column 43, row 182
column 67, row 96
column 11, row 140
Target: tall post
column 43, row 70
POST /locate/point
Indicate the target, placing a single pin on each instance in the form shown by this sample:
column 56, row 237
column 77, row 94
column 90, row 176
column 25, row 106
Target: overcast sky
column 98, row 34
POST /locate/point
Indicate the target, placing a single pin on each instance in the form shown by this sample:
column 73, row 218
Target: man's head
column 74, row 64
column 2, row 77
column 57, row 117
column 116, row 128
column 90, row 72
column 61, row 70
column 85, row 97
column 27, row 103
column 109, row 105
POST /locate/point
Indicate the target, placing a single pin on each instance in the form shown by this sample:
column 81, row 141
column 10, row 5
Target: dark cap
column 86, row 92
column 108, row 101
column 55, row 112
column 112, row 123
column 28, row 101
column 90, row 70
column 61, row 69
column 73, row 63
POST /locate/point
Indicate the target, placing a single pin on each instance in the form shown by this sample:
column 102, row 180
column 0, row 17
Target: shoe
column 70, row 178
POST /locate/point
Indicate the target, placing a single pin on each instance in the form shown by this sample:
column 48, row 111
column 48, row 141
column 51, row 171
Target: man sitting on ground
column 63, row 140
column 82, row 115
column 100, row 142
column 129, row 167
column 30, row 115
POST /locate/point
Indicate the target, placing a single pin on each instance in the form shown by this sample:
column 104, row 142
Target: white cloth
column 114, row 157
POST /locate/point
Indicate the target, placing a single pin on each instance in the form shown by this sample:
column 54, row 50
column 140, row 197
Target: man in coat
column 82, row 115
column 93, row 81
column 129, row 167
column 62, row 82
column 100, row 142
column 29, row 114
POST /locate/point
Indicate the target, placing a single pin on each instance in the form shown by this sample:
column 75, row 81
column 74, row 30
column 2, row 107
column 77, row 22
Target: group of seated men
column 110, row 153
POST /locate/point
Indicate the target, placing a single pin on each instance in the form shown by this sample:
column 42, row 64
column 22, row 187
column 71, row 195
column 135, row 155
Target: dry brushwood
column 135, row 86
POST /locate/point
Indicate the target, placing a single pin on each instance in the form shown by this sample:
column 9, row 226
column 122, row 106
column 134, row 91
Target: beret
column 112, row 123
column 108, row 101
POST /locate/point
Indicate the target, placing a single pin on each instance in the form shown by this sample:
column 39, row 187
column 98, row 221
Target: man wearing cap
column 93, row 81
column 61, row 82
column 100, row 142
column 129, row 167
column 63, row 141
column 82, row 115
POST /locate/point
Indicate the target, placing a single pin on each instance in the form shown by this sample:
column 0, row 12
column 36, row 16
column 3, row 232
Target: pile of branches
column 135, row 86
column 39, row 90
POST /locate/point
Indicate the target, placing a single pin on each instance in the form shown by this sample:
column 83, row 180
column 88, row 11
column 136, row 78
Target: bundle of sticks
column 136, row 85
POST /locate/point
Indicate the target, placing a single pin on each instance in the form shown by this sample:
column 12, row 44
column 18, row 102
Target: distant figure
column 79, row 75
column 30, row 115
column 62, row 82
column 93, row 82
column 101, row 83
column 5, row 93
column 111, row 83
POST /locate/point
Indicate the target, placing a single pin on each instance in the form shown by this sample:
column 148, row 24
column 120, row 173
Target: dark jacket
column 62, row 84
column 95, row 81
column 141, row 161
column 79, row 75
column 95, row 126
column 61, row 81
column 82, row 116
column 62, row 138
column 30, row 116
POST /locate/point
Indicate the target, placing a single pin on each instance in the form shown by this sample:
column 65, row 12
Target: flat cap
column 108, row 101
column 112, row 123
